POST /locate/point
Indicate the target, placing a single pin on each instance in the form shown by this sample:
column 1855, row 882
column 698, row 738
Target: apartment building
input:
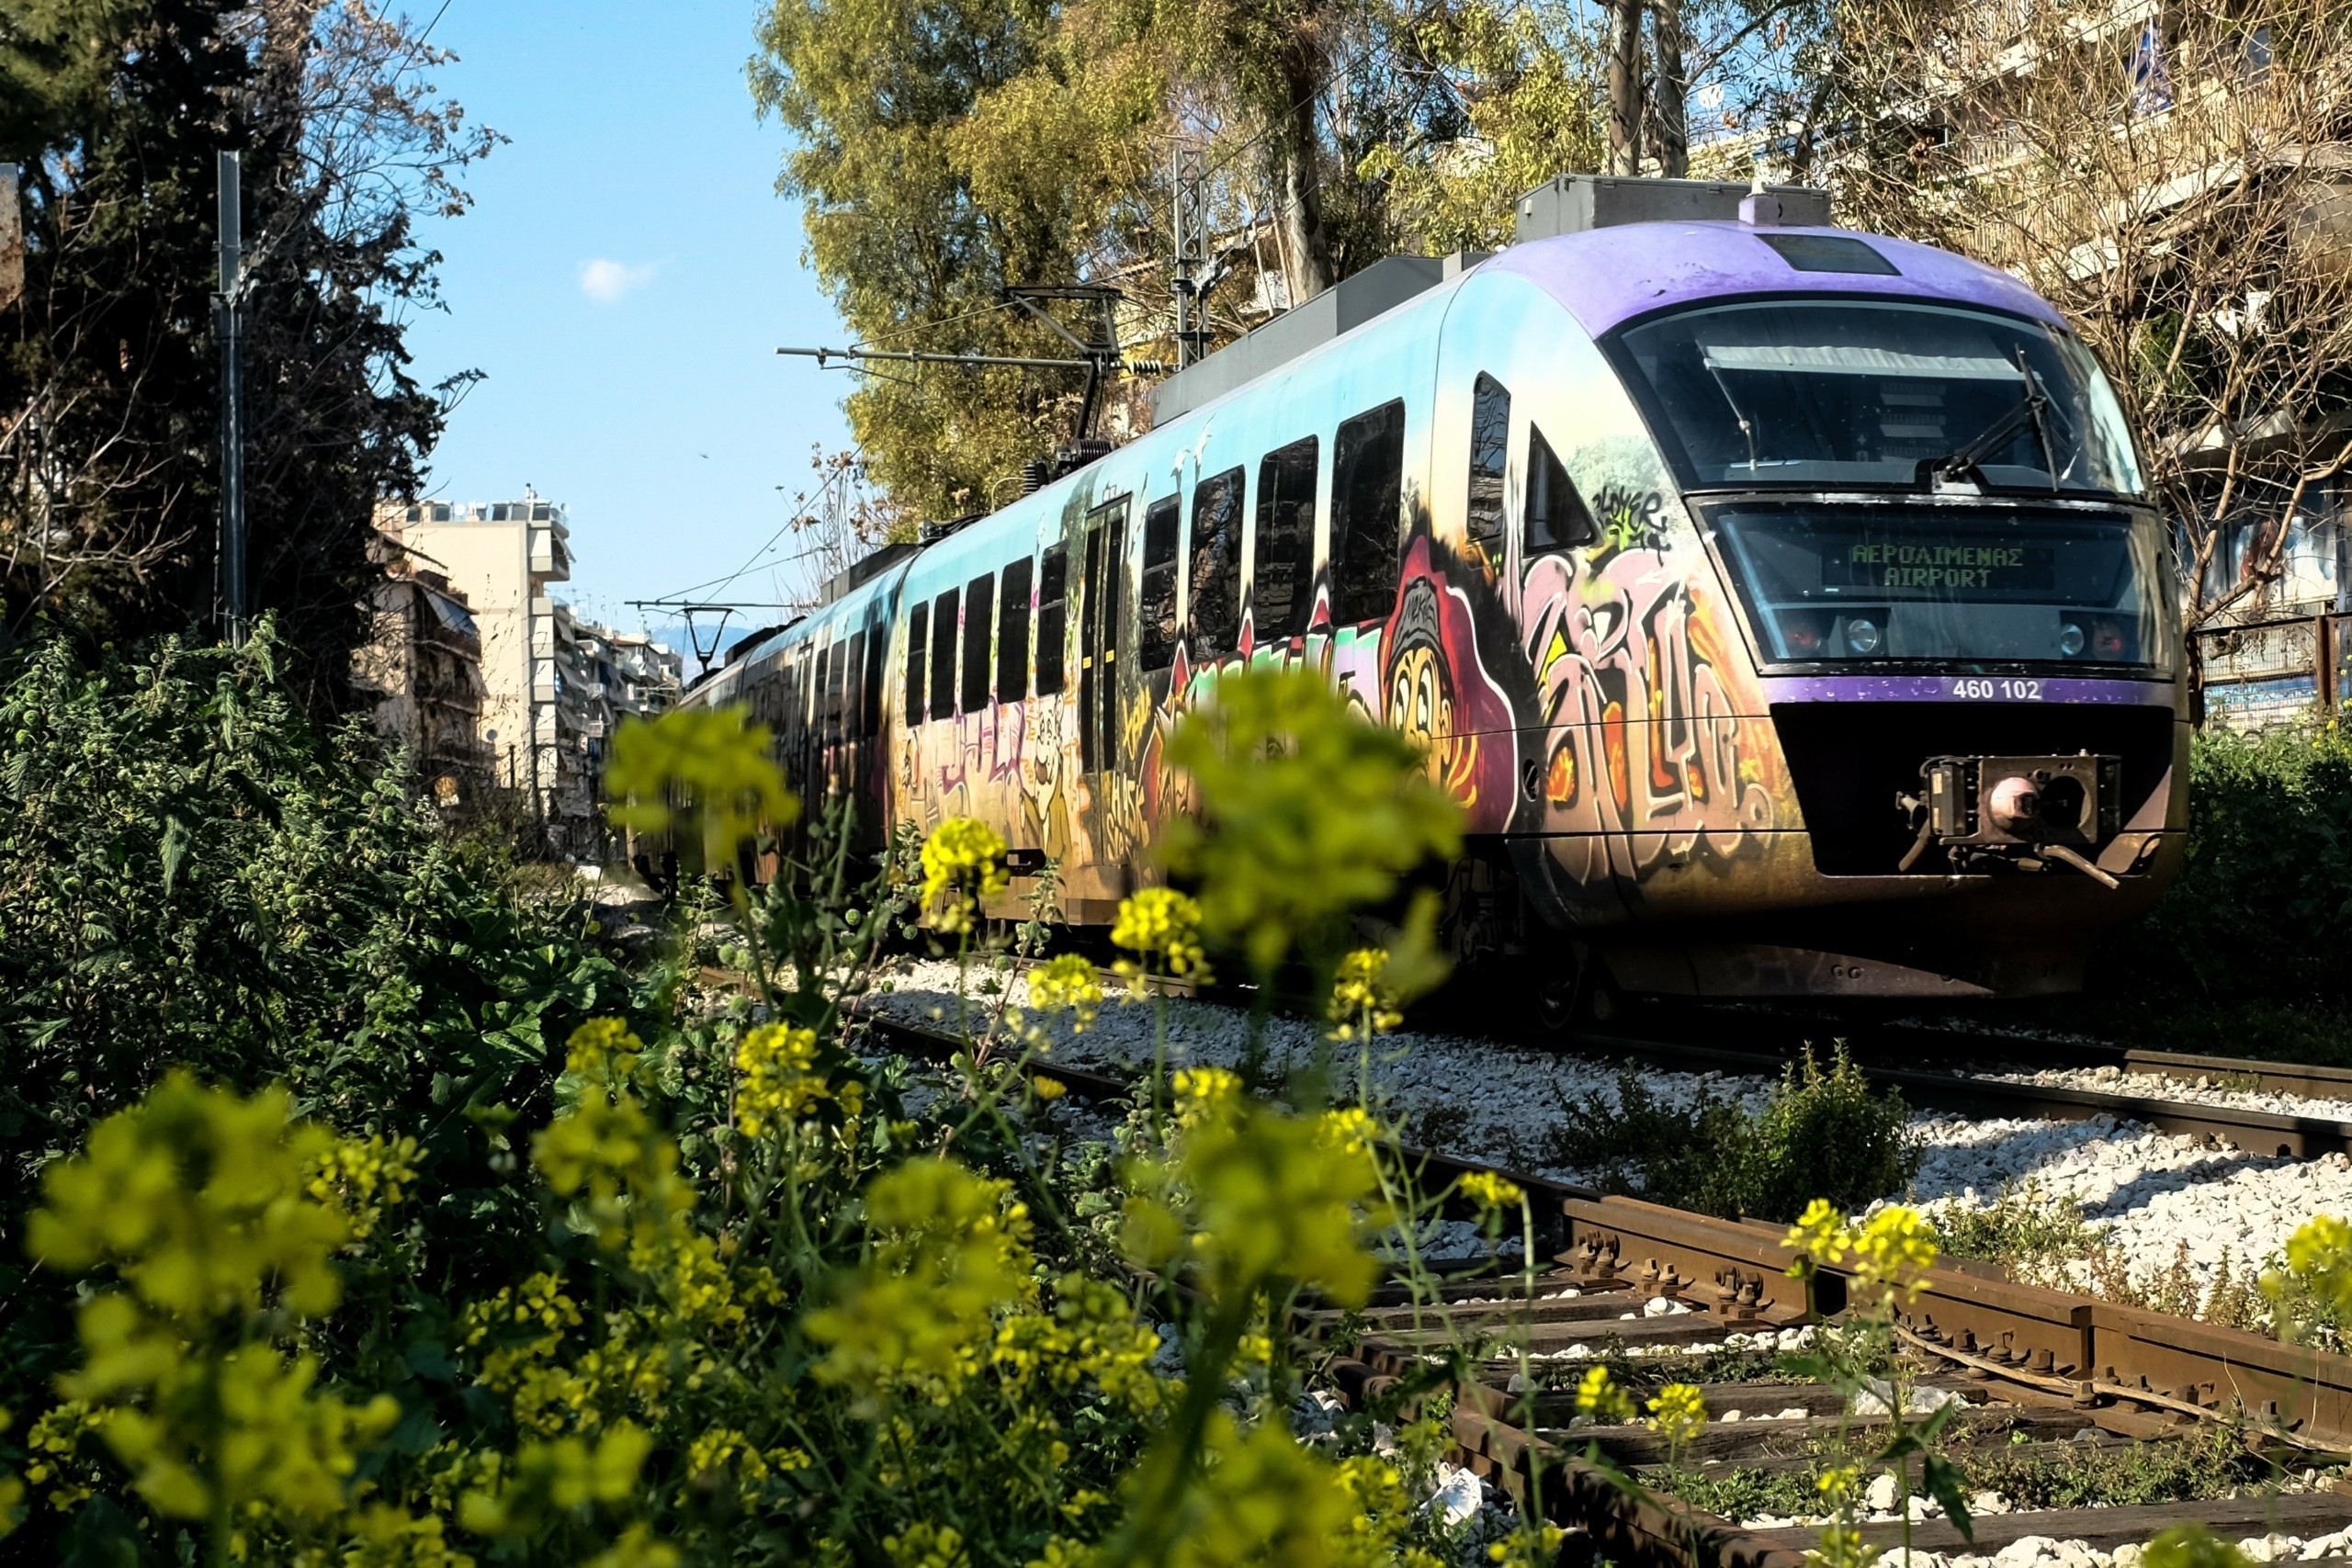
column 553, row 683
column 504, row 557
column 599, row 677
column 422, row 668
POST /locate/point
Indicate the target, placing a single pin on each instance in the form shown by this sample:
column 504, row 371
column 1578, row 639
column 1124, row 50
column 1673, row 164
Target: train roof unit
column 1592, row 243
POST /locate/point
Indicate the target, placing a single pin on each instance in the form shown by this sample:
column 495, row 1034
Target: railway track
column 1930, row 1066
column 1972, row 1093
column 1665, row 1293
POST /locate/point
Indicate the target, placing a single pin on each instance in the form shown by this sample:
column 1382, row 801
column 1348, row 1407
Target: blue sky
column 624, row 280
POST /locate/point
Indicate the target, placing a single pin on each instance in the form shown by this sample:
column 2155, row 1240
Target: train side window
column 1282, row 587
column 1367, row 486
column 943, row 656
column 980, row 609
column 1156, row 621
column 1215, row 620
column 836, row 693
column 853, row 700
column 820, row 717
column 1053, row 620
column 1489, row 446
column 877, row 649
column 1558, row 518
column 918, row 641
column 1012, row 633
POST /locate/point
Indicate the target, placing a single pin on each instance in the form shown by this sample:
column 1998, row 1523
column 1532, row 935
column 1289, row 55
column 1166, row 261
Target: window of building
column 1053, row 619
column 1282, row 587
column 1367, row 492
column 1558, row 518
column 1013, row 634
column 918, row 641
column 943, row 656
column 980, row 608
column 1157, row 619
column 1489, row 450
column 1216, row 619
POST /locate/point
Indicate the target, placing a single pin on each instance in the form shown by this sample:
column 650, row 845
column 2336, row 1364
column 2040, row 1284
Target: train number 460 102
column 1982, row 686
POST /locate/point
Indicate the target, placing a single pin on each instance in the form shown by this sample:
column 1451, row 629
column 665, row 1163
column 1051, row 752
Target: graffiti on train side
column 1646, row 756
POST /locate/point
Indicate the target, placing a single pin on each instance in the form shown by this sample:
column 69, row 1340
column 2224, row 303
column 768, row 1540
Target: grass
column 1822, row 1132
column 2039, row 1240
column 2209, row 1464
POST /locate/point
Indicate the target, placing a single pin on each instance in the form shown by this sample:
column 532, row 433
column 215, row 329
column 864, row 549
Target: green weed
column 1822, row 1132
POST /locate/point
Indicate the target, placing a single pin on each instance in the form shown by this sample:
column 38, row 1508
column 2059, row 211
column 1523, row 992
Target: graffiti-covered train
column 1784, row 606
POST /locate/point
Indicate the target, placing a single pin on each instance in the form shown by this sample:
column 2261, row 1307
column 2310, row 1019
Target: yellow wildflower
column 202, row 1201
column 1896, row 1248
column 1531, row 1546
column 1159, row 922
column 703, row 776
column 604, row 1052
column 1269, row 1196
column 1678, row 1414
column 1048, row 1089
column 1062, row 1551
column 1842, row 1547
column 950, row 1251
column 1491, row 1193
column 1361, row 1002
column 1067, row 984
column 555, row 1478
column 1265, row 1499
column 386, row 1537
column 1204, row 1092
column 963, row 861
column 1818, row 1238
column 2192, row 1546
column 926, row 1545
column 1599, row 1397
column 2318, row 1274
column 363, row 1180
column 1838, row 1485
column 779, row 1082
column 1349, row 1128
column 54, row 1444
column 1306, row 809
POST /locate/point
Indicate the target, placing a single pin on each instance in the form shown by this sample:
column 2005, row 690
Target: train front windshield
column 1955, row 464
column 1831, row 394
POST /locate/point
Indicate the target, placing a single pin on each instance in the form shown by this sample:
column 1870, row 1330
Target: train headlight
column 2070, row 640
column 1862, row 636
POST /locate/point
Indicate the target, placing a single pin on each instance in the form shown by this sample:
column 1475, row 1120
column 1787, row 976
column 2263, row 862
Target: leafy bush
column 1822, row 1132
column 192, row 876
column 2242, row 956
column 767, row 1308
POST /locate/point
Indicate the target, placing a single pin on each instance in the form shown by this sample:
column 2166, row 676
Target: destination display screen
column 1841, row 582
column 1941, row 565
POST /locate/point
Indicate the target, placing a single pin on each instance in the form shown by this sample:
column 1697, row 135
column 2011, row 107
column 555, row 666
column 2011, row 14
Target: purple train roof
column 1607, row 275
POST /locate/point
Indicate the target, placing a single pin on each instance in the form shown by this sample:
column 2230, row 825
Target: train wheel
column 1582, row 998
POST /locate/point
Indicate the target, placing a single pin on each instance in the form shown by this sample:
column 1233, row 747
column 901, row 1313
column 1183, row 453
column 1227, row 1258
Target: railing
column 2285, row 669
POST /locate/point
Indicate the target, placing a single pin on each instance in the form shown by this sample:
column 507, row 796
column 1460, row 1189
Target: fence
column 2257, row 674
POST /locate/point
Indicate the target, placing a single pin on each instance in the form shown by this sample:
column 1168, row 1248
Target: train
column 1783, row 604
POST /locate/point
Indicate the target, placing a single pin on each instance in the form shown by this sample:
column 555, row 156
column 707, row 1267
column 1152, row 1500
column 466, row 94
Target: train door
column 1102, row 590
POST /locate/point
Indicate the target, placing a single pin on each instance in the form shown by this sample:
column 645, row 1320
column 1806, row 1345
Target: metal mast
column 228, row 312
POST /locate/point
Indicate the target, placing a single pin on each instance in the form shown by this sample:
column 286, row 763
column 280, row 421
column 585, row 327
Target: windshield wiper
column 1961, row 464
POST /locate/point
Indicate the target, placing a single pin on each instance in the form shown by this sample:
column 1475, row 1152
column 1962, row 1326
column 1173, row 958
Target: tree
column 943, row 150
column 108, row 368
column 2181, row 196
